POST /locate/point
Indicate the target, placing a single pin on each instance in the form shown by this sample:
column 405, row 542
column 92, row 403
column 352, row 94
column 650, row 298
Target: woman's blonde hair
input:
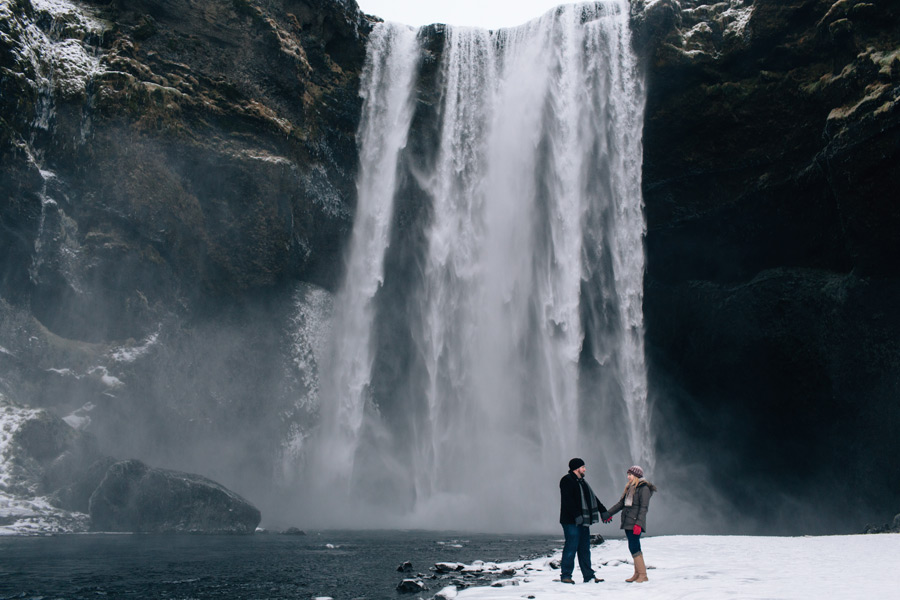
column 631, row 483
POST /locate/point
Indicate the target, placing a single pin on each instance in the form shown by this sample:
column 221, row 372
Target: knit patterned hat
column 637, row 471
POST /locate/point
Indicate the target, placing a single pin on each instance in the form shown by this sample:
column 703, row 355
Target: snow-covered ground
column 720, row 567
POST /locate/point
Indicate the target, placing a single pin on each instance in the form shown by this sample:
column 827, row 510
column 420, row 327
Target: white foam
column 129, row 354
column 79, row 418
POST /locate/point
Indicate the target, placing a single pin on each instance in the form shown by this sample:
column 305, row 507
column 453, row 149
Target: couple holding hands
column 579, row 509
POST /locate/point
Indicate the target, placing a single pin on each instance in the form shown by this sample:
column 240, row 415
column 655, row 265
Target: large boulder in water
column 135, row 497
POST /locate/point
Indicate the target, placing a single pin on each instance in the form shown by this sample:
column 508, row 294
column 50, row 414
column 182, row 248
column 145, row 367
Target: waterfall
column 490, row 325
column 387, row 110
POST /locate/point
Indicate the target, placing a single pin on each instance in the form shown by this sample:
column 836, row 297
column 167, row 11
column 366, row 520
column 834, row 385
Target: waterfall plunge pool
column 338, row 564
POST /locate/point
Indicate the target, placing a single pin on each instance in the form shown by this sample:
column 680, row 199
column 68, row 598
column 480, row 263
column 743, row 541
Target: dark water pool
column 342, row 565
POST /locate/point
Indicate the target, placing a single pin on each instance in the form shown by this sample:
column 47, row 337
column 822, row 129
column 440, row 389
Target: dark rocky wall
column 170, row 172
column 771, row 173
column 213, row 153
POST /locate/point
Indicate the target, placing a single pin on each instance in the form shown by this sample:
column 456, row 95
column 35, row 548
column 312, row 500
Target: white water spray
column 517, row 342
column 387, row 109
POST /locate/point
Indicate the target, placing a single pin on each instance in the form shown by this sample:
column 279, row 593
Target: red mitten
column 637, row 530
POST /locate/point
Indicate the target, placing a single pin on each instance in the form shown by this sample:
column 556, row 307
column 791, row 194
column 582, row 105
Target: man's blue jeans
column 578, row 541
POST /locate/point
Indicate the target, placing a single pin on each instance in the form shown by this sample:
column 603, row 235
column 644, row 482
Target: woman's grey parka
column 636, row 514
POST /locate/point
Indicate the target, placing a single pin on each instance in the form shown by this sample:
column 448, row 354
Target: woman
column 634, row 503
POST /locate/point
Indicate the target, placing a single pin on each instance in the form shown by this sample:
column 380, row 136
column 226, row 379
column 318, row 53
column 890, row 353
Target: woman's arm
column 618, row 505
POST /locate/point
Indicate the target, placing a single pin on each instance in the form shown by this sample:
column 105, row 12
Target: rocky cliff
column 771, row 145
column 177, row 183
column 172, row 173
column 177, row 149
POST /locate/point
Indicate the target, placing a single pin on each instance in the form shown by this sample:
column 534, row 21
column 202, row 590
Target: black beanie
column 575, row 463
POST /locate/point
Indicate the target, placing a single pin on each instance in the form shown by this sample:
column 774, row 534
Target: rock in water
column 137, row 498
column 77, row 495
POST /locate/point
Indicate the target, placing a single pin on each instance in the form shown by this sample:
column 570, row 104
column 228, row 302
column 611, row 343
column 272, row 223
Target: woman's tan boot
column 635, row 576
column 641, row 569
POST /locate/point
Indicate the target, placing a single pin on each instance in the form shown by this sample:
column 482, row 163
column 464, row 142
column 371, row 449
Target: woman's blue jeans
column 578, row 542
column 634, row 542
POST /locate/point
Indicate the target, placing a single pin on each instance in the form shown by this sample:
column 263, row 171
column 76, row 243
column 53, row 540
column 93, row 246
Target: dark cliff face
column 170, row 172
column 771, row 146
column 204, row 150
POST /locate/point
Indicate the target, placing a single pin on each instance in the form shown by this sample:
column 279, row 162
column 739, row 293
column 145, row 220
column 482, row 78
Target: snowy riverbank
column 719, row 567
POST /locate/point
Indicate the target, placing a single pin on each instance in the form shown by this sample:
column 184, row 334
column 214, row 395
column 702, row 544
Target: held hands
column 606, row 517
column 637, row 530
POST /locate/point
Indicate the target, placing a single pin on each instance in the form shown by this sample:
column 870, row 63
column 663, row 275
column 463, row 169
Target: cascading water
column 386, row 86
column 490, row 326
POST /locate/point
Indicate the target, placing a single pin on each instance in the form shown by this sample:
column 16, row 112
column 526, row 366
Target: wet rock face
column 771, row 142
column 159, row 153
column 134, row 497
column 39, row 452
column 173, row 175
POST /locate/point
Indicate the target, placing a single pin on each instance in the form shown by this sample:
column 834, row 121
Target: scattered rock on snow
column 892, row 527
column 411, row 586
column 448, row 593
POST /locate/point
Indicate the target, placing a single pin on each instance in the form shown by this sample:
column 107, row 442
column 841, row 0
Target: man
column 579, row 509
